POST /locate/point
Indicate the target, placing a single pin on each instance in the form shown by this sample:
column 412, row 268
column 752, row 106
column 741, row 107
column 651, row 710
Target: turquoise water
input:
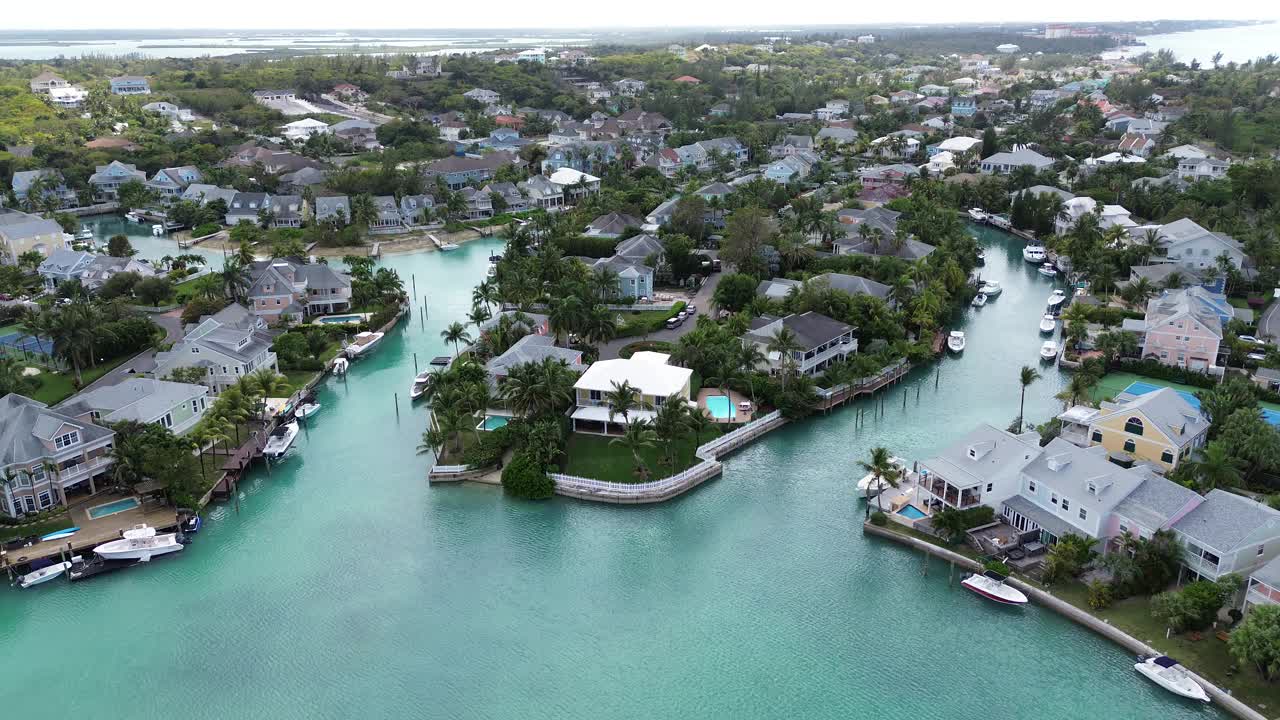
column 911, row 511
column 148, row 246
column 346, row 586
column 1237, row 44
column 343, row 319
column 720, row 407
column 112, row 508
column 493, row 422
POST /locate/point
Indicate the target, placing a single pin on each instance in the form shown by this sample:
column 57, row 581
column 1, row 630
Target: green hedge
column 205, row 229
column 592, row 247
column 645, row 322
column 1160, row 371
column 660, row 346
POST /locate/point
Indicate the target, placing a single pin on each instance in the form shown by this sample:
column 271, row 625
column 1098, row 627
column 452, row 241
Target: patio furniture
column 1034, row 548
column 1016, row 554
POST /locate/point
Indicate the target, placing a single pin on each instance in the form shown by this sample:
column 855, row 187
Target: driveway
column 702, row 299
column 1269, row 325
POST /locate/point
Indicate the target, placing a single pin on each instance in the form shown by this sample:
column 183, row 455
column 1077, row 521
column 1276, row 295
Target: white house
column 228, row 345
column 648, row 372
column 1188, row 244
column 1003, row 163
column 1109, row 216
column 304, row 128
column 1205, row 168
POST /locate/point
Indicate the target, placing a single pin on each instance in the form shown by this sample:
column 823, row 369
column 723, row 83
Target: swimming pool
column 720, row 407
column 1272, row 417
column 341, row 319
column 111, row 508
column 912, row 512
column 493, row 422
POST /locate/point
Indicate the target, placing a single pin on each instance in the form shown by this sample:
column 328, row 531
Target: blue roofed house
column 107, row 179
column 54, row 188
column 170, row 183
column 130, row 85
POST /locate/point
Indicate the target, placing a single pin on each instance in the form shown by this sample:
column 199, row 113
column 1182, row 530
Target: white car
column 1251, row 339
column 1256, row 357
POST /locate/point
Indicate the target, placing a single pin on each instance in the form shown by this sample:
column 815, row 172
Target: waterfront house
column 53, row 189
column 1186, row 243
column 780, row 288
column 246, row 206
column 285, row 290
column 479, row 204
column 648, row 372
column 170, row 183
column 286, row 211
column 46, row 81
column 304, row 128
column 1263, row 587
column 22, row 232
column 1227, row 533
column 635, row 279
column 228, row 345
column 612, row 225
column 532, row 348
column 107, row 179
column 1184, row 328
column 461, row 170
column 1158, row 427
column 575, row 184
column 333, row 208
column 822, row 341
column 417, row 209
column 1108, row 216
column 92, row 270
column 130, row 85
column 981, row 468
column 1003, row 163
column 542, row 193
column 172, row 405
column 203, row 194
column 46, row 455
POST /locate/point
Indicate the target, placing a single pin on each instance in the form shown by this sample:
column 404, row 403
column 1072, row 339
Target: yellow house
column 22, row 232
column 1158, row 427
column 649, row 373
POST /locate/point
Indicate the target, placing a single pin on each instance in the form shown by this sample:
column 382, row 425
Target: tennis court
column 27, row 343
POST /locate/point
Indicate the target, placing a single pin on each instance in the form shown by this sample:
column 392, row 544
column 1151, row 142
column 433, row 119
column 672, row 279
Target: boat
column 1170, row 675
column 1033, row 254
column 1000, row 221
column 1049, row 350
column 340, row 366
column 991, row 288
column 955, row 341
column 419, row 387
column 59, row 535
column 981, row 259
column 991, row 585
column 1048, row 323
column 44, row 574
column 1048, row 270
column 979, row 300
column 977, row 215
column 85, row 233
column 140, row 531
column 191, row 523
column 134, row 217
column 1057, row 301
column 493, row 270
column 306, row 410
column 869, row 488
column 139, row 548
column 85, row 569
column 281, row 439
column 362, row 343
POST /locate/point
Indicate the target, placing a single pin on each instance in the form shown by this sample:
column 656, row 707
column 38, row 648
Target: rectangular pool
column 493, row 422
column 912, row 512
column 720, row 407
column 111, row 508
column 341, row 319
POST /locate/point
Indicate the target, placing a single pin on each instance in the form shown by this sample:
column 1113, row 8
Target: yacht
column 44, row 574
column 281, row 439
column 979, row 300
column 1048, row 323
column 991, row 586
column 1049, row 351
column 1170, row 675
column 955, row 341
column 1048, row 270
column 1057, row 301
column 362, row 344
column 140, row 543
column 991, row 288
column 1000, row 221
column 419, row 387
column 977, row 215
column 1034, row 254
column 134, row 217
column 869, row 488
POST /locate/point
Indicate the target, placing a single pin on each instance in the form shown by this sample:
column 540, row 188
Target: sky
column 507, row 14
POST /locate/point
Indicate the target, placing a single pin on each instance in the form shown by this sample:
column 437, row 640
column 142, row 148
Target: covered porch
column 595, row 420
column 951, row 495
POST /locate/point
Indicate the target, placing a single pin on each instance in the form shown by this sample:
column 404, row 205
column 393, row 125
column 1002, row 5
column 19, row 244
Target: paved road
column 1269, row 325
column 702, row 299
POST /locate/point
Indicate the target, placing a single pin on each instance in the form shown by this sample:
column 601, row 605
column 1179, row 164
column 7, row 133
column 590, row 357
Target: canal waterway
column 148, row 246
column 345, row 586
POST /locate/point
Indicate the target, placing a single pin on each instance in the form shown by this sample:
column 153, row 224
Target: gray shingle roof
column 1173, row 416
column 24, row 423
column 1156, row 501
column 532, row 348
column 1226, row 521
column 140, row 399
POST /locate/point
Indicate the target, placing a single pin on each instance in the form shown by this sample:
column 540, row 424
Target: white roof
column 647, row 371
column 600, row 413
column 959, row 144
column 569, row 176
column 306, row 123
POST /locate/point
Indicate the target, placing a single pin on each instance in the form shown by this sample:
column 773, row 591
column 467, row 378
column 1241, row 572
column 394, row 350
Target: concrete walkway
column 702, row 299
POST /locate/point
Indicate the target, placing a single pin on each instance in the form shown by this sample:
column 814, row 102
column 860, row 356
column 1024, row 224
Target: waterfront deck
column 94, row 532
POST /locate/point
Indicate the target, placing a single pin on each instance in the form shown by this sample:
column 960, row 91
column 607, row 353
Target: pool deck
column 735, row 397
column 94, row 532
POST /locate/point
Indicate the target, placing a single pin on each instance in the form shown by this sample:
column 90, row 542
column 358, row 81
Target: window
column 1133, row 426
column 67, row 440
column 989, row 486
column 1053, row 498
column 1097, row 436
column 1124, row 529
column 594, row 394
column 195, row 350
column 1261, row 549
column 1066, row 504
column 167, row 420
column 45, row 499
column 31, row 504
column 1093, row 488
column 1031, row 486
column 657, row 400
column 1130, row 445
column 1084, row 514
column 1167, row 456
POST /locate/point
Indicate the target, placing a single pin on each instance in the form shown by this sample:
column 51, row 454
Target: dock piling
column 937, row 377
column 415, row 363
column 397, row 399
column 414, row 279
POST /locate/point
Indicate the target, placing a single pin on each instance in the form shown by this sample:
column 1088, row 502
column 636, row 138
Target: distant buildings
column 130, row 85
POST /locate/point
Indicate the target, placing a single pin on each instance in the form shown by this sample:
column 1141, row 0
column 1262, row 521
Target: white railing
column 886, row 371
column 449, row 469
column 708, row 450
column 76, row 471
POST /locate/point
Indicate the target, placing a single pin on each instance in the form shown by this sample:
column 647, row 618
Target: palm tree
column 883, row 470
column 622, row 399
column 699, row 422
column 637, row 437
column 478, row 316
column 750, row 358
column 604, row 282
column 669, row 421
column 1079, row 386
column 1215, row 468
column 1026, row 376
column 784, row 343
column 235, row 278
column 565, row 316
column 266, row 382
column 455, row 333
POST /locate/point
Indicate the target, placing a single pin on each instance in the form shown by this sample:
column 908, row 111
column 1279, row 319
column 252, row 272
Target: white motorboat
column 44, row 574
column 1057, row 301
column 1000, row 221
column 419, row 387
column 139, row 532
column 1034, row 254
column 977, row 215
column 1048, row 323
column 493, row 270
column 979, row 300
column 448, row 246
column 134, row 217
column 1049, row 350
column 991, row 288
column 85, row 233
column 1172, row 676
column 955, row 341
column 306, row 410
column 139, row 548
column 991, row 585
column 362, row 343
column 281, row 439
column 868, row 487
column 1048, row 270
column 340, row 366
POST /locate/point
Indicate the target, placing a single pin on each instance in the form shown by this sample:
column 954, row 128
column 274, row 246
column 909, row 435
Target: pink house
column 1183, row 328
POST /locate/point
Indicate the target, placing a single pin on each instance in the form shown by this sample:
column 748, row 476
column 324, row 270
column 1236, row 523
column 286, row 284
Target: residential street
column 702, row 299
column 1269, row 324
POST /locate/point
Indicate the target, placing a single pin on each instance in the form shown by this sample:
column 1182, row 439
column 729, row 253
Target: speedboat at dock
column 991, row 585
column 869, row 488
column 362, row 344
column 1049, row 351
column 1048, row 324
column 1057, row 301
column 977, row 215
column 1170, row 675
column 1034, row 254
column 306, row 410
column 979, row 300
column 991, row 288
column 419, row 387
column 139, row 543
column 955, row 341
column 340, row 366
column 1048, row 270
column 281, row 439
column 45, row 574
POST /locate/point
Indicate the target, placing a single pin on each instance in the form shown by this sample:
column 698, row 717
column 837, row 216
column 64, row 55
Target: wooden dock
column 93, row 532
column 840, row 394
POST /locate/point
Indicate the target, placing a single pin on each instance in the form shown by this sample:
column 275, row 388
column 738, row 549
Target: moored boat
column 977, row 215
column 1048, row 270
column 419, row 386
column 340, row 366
column 991, row 585
column 60, row 534
column 306, row 410
column 1048, row 324
column 362, row 343
column 1172, row 676
column 1049, row 350
column 1033, row 254
column 85, row 233
column 1057, row 301
column 979, row 300
column 281, row 439
column 868, row 487
column 955, row 341
column 139, row 548
column 991, row 288
column 44, row 574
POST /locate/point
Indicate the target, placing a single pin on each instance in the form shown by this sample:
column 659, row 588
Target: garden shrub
column 997, row 567
column 205, row 229
column 524, row 478
column 488, row 451
column 879, row 519
column 1100, row 595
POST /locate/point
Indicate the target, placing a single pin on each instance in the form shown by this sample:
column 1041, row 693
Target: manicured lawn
column 1114, row 383
column 593, row 456
column 56, row 387
column 1208, row 656
column 183, row 290
column 8, row 532
column 298, row 378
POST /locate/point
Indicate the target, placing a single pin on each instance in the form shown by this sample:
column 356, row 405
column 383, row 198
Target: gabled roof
column 639, row 247
column 140, row 399
column 25, row 423
column 994, row 453
column 1019, row 158
column 811, row 329
column 1156, row 501
column 1172, row 415
column 1225, row 522
column 647, row 371
column 532, row 349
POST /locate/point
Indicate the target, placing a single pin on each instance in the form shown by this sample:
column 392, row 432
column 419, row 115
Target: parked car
column 1251, row 339
column 691, row 309
column 1256, row 357
column 675, row 322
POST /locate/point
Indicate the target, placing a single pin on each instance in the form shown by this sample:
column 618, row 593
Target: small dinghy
column 991, row 585
column 44, row 574
column 979, row 300
column 1168, row 674
column 61, row 534
column 955, row 341
column 1048, row 323
column 340, row 366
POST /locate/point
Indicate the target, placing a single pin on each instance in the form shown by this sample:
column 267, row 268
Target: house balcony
column 75, row 473
column 1202, row 565
column 820, row 361
column 1262, row 594
column 952, row 496
column 1075, row 434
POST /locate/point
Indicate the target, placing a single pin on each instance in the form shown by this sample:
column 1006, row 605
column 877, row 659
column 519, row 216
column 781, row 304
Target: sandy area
column 387, row 244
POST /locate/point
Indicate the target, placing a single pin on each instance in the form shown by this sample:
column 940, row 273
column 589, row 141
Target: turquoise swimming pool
column 111, row 508
column 912, row 512
column 720, row 406
column 341, row 319
column 493, row 422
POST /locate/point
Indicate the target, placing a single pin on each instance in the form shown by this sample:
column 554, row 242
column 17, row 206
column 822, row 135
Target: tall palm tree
column 235, row 278
column 622, row 399
column 1026, row 376
column 637, row 437
column 883, row 471
column 599, row 325
column 455, row 333
column 266, row 382
column 749, row 360
column 699, row 422
column 669, row 422
column 565, row 316
column 1079, row 386
column 785, row 342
